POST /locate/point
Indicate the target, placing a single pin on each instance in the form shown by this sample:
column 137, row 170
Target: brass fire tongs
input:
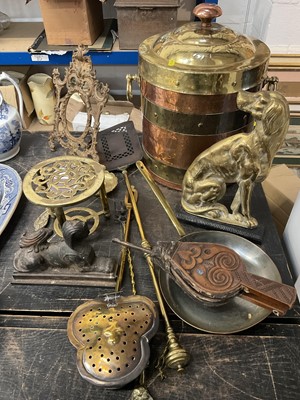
column 125, row 253
column 175, row 357
column 141, row 390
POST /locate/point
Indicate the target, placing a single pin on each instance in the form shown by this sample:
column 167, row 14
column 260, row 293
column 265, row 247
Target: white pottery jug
column 10, row 123
column 42, row 93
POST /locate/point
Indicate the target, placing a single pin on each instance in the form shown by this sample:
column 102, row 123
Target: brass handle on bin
column 129, row 79
column 206, row 13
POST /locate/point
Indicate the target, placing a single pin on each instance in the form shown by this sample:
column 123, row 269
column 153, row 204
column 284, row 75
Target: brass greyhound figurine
column 243, row 159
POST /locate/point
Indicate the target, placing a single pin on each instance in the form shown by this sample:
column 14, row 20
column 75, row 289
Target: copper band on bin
column 176, row 149
column 188, row 103
column 164, row 174
column 196, row 124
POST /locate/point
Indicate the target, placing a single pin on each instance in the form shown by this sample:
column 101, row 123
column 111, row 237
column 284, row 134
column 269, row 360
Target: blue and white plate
column 10, row 194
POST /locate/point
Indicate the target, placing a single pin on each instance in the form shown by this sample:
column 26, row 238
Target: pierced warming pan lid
column 203, row 57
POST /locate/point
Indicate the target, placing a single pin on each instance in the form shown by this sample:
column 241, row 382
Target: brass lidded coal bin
column 189, row 81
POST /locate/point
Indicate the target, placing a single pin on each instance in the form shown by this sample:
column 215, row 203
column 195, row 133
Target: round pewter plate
column 236, row 314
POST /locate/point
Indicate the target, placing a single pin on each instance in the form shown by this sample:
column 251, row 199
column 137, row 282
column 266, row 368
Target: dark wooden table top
column 37, row 360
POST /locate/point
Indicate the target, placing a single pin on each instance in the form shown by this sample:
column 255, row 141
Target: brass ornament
column 243, row 159
column 112, row 338
column 125, row 252
column 80, row 78
column 83, row 214
column 203, row 58
column 140, row 393
column 110, row 181
column 160, row 197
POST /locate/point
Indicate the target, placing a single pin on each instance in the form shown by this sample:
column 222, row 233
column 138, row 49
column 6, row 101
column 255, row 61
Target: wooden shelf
column 17, row 39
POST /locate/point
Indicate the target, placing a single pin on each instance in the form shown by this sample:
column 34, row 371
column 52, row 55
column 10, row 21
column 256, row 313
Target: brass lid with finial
column 203, row 57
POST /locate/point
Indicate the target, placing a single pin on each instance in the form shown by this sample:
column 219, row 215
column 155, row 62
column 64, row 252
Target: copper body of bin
column 189, row 80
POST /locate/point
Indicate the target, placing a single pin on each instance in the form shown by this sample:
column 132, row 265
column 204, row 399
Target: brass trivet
column 65, row 181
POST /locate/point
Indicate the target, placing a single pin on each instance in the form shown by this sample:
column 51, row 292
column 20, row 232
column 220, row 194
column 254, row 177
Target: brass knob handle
column 206, row 12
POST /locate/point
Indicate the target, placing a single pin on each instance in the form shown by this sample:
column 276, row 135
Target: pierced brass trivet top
column 64, row 181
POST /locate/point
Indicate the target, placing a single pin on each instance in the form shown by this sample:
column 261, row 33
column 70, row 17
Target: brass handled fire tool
column 125, row 253
column 176, row 357
column 160, row 197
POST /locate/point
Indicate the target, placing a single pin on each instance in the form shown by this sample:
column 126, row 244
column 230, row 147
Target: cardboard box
column 109, row 116
column 140, row 19
column 72, row 22
column 11, row 97
column 281, row 188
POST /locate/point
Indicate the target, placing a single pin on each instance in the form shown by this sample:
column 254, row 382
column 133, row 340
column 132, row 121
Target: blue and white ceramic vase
column 10, row 123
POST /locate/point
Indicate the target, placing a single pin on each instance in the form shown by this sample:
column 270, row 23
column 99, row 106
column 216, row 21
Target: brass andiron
column 213, row 273
column 243, row 159
column 176, row 357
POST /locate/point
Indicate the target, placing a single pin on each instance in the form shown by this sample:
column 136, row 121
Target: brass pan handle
column 206, row 12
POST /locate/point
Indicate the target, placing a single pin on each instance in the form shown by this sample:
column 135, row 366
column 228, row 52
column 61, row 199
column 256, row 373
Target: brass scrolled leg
column 104, row 201
column 60, row 215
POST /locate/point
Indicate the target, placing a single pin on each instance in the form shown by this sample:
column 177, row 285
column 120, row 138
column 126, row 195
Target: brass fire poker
column 160, row 197
column 176, row 357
